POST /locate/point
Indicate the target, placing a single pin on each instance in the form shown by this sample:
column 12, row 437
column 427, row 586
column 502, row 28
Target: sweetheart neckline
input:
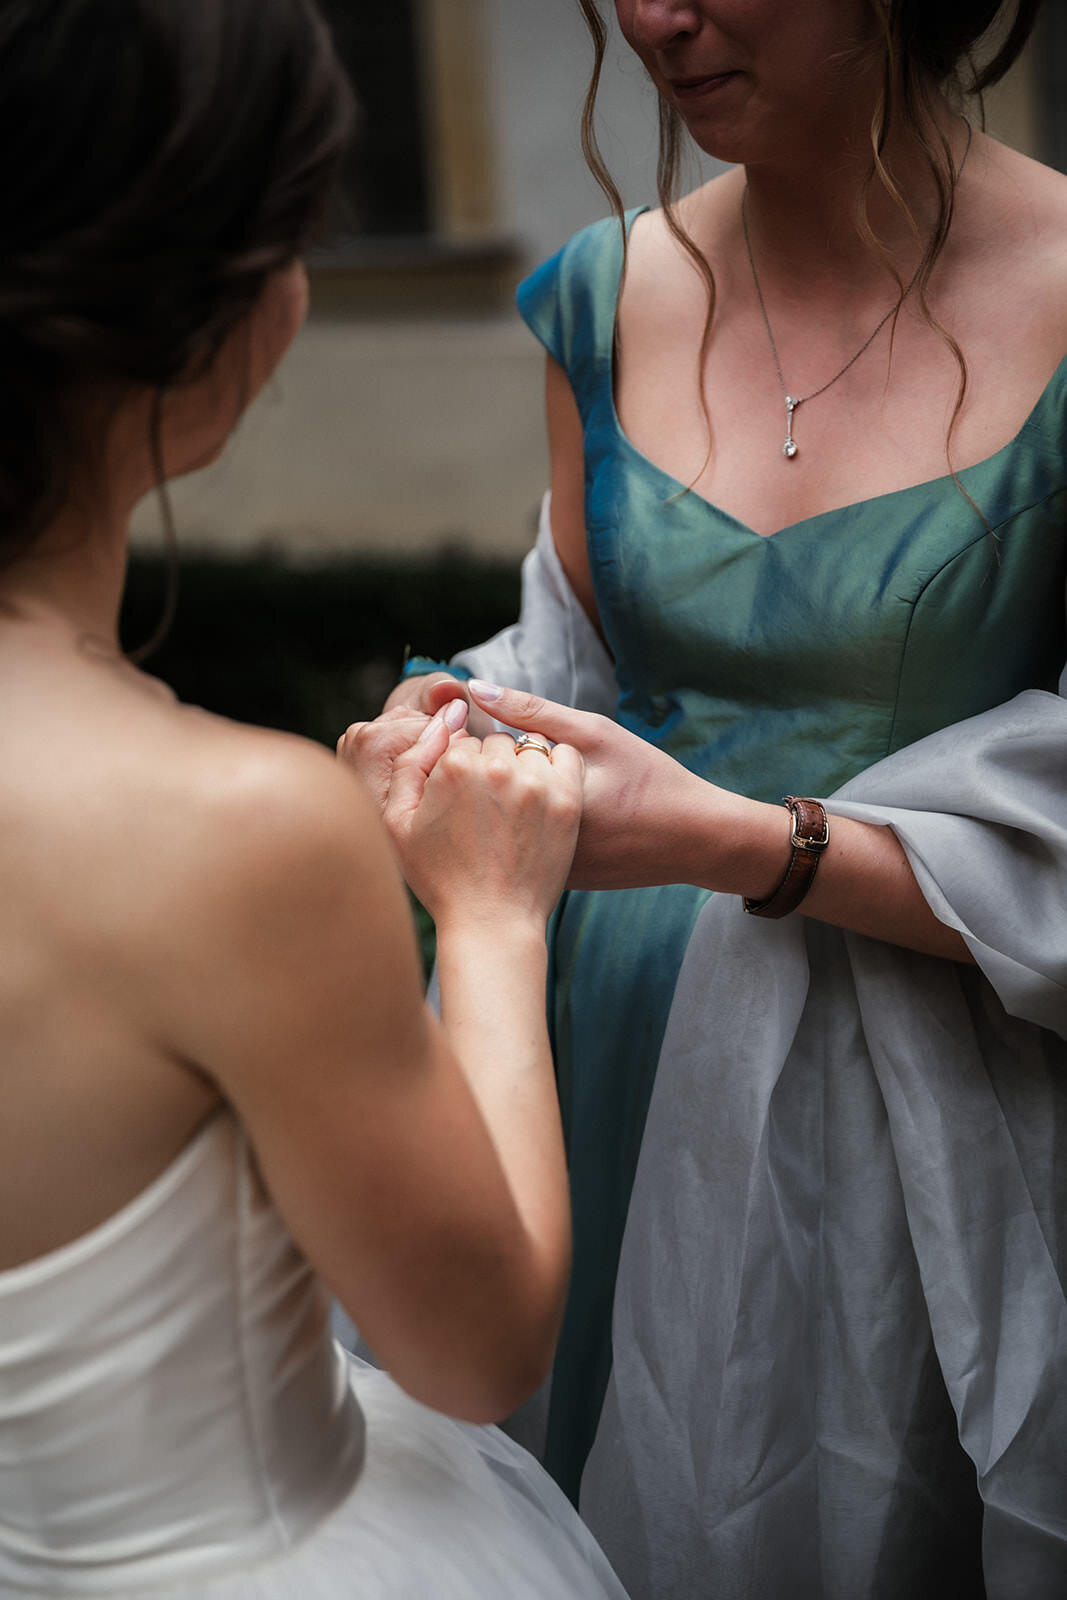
column 679, row 489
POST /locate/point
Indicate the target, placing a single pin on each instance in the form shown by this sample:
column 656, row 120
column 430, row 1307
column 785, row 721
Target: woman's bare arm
column 566, row 446
column 420, row 1169
column 648, row 820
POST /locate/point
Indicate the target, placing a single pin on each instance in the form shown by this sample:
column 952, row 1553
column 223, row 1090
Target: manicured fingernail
column 431, row 727
column 455, row 714
column 485, row 691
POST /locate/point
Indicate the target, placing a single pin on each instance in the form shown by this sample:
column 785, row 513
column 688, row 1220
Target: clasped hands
column 644, row 818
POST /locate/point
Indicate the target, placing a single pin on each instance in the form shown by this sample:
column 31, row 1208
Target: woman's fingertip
column 455, row 715
column 484, row 691
column 431, row 727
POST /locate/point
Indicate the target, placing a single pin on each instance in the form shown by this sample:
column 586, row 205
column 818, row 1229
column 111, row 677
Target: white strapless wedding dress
column 175, row 1421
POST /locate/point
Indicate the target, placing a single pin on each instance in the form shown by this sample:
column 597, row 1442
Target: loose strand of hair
column 878, row 172
column 170, row 535
column 1026, row 15
column 945, row 174
column 667, row 178
column 594, row 157
column 906, row 98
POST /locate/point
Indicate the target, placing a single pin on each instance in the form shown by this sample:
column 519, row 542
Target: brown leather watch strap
column 810, row 837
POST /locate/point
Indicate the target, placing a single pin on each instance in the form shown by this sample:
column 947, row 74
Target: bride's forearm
column 492, row 977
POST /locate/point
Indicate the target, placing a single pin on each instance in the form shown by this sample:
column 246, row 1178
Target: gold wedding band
column 529, row 741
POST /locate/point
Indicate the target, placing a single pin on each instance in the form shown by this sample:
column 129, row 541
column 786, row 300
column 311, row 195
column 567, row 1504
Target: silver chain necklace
column 790, row 447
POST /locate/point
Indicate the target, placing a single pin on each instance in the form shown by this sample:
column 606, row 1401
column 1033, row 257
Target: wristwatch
column 810, row 837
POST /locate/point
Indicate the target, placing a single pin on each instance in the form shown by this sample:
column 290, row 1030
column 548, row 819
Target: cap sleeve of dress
column 538, row 298
column 569, row 304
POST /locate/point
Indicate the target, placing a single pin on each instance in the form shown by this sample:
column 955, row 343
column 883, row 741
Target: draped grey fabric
column 981, row 809
column 849, row 1215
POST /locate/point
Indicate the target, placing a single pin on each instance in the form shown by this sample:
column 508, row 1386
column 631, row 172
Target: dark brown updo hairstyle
column 956, row 47
column 940, row 40
column 159, row 160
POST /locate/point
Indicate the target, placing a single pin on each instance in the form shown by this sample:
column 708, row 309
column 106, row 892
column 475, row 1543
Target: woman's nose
column 655, row 24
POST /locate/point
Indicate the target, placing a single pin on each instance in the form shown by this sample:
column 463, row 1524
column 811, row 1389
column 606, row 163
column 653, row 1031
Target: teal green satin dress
column 769, row 666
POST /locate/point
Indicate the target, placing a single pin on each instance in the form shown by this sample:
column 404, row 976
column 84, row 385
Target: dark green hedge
column 310, row 647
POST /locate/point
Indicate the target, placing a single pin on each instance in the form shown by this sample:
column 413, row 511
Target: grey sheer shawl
column 849, row 1214
column 845, row 1253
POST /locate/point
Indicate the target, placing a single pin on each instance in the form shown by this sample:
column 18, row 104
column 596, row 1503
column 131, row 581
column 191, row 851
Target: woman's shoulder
column 597, row 239
column 1034, row 181
column 156, row 857
column 1025, row 203
column 664, row 299
column 568, row 302
column 238, row 854
column 1017, row 241
column 255, row 791
column 647, row 222
column 657, row 260
column 198, row 816
column 701, row 211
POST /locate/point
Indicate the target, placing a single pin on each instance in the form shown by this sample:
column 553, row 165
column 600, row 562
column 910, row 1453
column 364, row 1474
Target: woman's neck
column 71, row 578
column 802, row 216
column 70, row 582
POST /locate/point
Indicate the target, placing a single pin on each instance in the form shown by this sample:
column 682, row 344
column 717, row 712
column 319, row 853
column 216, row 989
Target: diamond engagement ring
column 530, row 741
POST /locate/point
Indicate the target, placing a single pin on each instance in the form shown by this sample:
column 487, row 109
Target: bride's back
column 93, row 1105
column 124, row 1449
column 145, row 293
column 112, row 818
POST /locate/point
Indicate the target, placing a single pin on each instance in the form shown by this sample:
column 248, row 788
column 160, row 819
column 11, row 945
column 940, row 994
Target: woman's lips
column 698, row 88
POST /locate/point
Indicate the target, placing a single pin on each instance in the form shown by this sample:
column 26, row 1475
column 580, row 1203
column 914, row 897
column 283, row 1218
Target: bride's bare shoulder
column 168, row 853
column 235, row 855
column 248, row 791
column 159, row 814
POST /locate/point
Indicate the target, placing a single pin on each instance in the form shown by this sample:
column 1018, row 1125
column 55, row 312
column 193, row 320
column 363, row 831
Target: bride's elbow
column 474, row 1334
column 479, row 1364
column 483, row 1387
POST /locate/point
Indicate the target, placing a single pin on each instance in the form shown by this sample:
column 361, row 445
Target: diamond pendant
column 789, row 449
